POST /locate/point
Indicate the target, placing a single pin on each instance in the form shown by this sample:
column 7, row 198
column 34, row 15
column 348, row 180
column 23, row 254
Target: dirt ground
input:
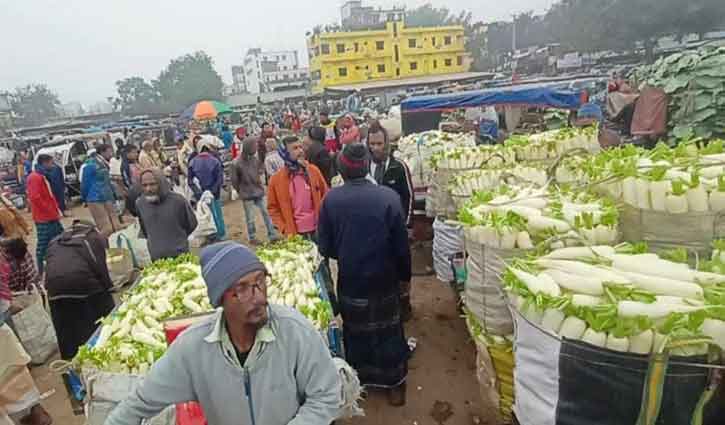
column 442, row 370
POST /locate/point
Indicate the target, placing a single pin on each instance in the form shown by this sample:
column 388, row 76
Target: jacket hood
column 248, row 145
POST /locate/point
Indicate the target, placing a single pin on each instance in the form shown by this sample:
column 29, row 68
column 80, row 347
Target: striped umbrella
column 205, row 110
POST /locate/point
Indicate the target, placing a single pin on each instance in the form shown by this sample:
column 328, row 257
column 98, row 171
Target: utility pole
column 513, row 35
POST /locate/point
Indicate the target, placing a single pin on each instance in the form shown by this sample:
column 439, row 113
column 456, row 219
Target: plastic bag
column 205, row 219
column 128, row 238
column 120, row 266
column 34, row 326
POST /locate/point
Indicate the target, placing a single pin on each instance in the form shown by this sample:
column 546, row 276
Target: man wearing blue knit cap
column 250, row 363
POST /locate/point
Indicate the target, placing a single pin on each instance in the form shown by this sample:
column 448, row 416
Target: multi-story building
column 392, row 51
column 273, row 71
column 355, row 16
column 239, row 84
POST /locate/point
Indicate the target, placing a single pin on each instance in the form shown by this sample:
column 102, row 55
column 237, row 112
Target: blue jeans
column 260, row 203
column 217, row 212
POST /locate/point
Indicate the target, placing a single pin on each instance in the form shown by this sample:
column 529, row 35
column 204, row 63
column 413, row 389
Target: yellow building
column 348, row 57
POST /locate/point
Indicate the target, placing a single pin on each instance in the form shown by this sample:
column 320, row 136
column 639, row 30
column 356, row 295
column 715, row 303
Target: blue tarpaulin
column 541, row 95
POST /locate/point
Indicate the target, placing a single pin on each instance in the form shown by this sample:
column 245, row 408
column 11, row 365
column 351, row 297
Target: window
column 411, row 43
column 356, row 46
column 395, row 29
column 459, row 60
column 381, row 68
column 397, row 54
column 397, row 72
column 342, row 72
column 413, row 66
column 380, row 45
column 325, row 49
column 449, row 62
column 317, row 51
column 435, row 63
column 447, row 40
column 433, row 41
column 341, row 48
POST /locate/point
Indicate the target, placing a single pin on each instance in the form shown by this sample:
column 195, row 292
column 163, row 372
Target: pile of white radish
column 522, row 216
column 620, row 298
column 416, row 151
column 673, row 180
column 467, row 183
column 552, row 144
column 466, row 158
column 132, row 338
column 292, row 265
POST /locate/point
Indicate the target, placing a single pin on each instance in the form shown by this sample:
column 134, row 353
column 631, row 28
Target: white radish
column 629, row 191
column 707, row 278
column 541, row 224
column 715, row 329
column 652, row 267
column 697, row 200
column 690, row 350
column 668, row 299
column 593, row 337
column 530, row 312
column 575, row 283
column 585, row 252
column 583, row 269
column 653, row 310
column 676, row 204
column 523, row 240
column 508, row 238
column 581, row 300
column 658, row 194
column 552, row 320
column 541, row 284
column 642, row 188
column 717, row 201
column 617, row 344
column 572, row 328
column 641, row 343
column 663, row 286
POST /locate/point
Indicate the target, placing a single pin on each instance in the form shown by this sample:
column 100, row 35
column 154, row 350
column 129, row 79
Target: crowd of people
column 283, row 174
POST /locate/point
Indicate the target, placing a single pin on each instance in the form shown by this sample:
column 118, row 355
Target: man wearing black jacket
column 78, row 285
column 388, row 171
column 317, row 154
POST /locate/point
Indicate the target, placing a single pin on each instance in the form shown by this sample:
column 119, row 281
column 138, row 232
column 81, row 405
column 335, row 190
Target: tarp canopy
column 551, row 95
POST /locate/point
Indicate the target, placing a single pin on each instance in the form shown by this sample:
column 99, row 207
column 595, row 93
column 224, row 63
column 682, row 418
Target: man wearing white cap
column 252, row 363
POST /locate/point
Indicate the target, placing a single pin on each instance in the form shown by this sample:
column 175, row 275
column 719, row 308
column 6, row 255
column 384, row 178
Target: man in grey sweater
column 249, row 364
column 166, row 218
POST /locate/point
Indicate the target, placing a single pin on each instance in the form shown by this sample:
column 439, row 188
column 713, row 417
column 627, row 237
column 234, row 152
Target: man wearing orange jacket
column 295, row 192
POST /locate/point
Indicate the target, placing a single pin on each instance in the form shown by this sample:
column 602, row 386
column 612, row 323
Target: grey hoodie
column 288, row 380
column 166, row 224
column 246, row 172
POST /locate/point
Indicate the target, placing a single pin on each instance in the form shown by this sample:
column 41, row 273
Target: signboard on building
column 570, row 60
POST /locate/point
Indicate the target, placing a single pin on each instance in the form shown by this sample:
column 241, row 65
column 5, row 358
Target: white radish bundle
column 619, row 298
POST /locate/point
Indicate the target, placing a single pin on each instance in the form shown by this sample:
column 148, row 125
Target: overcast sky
column 80, row 48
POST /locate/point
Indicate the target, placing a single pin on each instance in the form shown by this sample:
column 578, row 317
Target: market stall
column 423, row 113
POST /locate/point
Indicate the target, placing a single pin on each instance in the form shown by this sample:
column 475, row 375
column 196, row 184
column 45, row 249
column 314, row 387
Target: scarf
column 292, row 165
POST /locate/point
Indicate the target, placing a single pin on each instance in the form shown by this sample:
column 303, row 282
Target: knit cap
column 354, row 161
column 223, row 265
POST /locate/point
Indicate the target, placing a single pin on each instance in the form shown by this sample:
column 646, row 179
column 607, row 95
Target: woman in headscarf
column 295, row 193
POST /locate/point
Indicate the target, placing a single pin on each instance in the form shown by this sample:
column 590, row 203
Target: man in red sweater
column 44, row 208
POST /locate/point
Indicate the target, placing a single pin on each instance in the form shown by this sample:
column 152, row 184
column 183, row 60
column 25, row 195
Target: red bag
column 189, row 413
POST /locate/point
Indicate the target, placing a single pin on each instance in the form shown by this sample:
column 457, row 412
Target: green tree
column 34, row 104
column 136, row 96
column 188, row 79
